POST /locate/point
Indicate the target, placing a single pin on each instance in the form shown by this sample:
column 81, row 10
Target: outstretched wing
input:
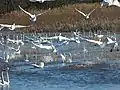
column 63, row 57
column 43, row 12
column 80, row 12
column 116, row 3
column 110, row 40
column 25, row 11
column 20, row 26
column 40, row 14
column 92, row 11
column 32, row 0
column 94, row 41
column 5, row 25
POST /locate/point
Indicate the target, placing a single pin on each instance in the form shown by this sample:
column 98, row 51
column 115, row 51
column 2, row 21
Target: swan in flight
column 33, row 17
column 110, row 3
column 12, row 27
column 48, row 47
column 41, row 1
column 87, row 16
column 101, row 44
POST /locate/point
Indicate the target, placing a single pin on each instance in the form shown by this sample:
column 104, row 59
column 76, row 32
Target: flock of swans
column 51, row 43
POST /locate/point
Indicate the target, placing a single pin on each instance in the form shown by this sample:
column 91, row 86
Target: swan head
column 42, row 64
column 87, row 17
column 33, row 18
column 12, row 27
column 42, row 1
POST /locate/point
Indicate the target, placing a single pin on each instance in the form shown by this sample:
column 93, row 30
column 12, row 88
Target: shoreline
column 67, row 19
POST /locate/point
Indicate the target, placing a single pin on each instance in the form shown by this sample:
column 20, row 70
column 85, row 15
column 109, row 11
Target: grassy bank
column 66, row 19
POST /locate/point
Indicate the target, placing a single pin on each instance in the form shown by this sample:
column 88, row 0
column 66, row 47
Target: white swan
column 110, row 3
column 33, row 17
column 48, row 47
column 101, row 44
column 87, row 16
column 40, row 65
column 13, row 26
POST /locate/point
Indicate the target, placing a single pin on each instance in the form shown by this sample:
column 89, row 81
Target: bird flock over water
column 53, row 43
column 13, row 46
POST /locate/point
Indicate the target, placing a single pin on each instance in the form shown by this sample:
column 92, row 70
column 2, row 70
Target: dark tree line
column 9, row 5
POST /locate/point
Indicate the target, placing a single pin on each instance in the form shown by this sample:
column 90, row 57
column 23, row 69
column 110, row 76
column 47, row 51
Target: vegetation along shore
column 67, row 19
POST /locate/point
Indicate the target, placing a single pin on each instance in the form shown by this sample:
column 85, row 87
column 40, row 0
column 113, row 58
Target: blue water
column 83, row 79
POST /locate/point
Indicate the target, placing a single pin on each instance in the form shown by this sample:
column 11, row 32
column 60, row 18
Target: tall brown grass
column 66, row 19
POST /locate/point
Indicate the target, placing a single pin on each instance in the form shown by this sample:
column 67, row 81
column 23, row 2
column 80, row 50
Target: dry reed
column 66, row 19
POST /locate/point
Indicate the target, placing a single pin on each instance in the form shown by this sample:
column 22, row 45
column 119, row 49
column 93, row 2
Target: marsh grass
column 66, row 19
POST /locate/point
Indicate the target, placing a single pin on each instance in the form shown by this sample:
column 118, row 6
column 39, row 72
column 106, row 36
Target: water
column 86, row 79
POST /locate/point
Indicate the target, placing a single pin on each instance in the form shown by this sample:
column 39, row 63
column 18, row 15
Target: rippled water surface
column 86, row 79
